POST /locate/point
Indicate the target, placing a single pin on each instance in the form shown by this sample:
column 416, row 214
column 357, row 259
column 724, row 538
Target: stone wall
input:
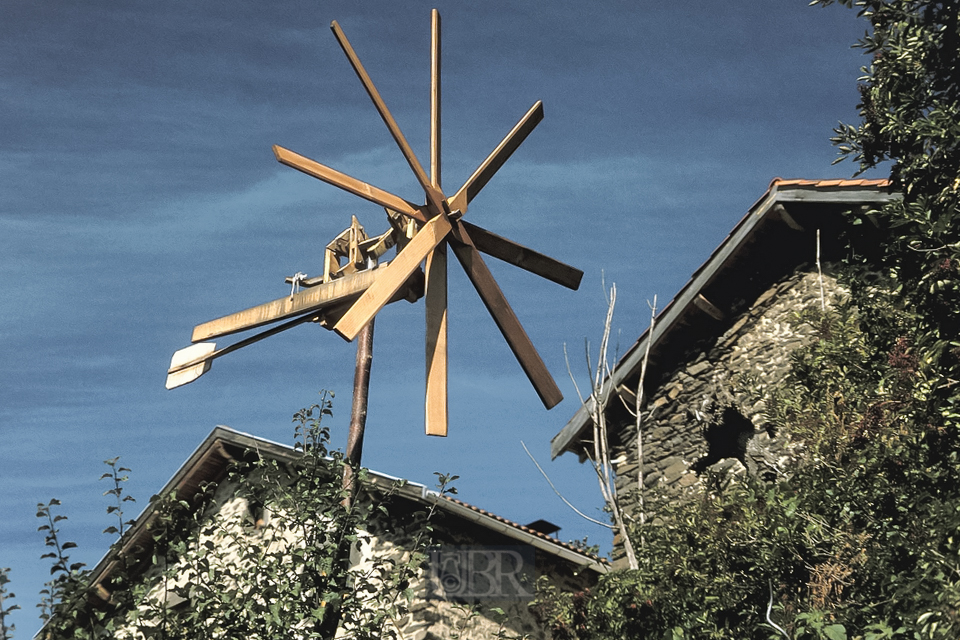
column 436, row 619
column 709, row 412
column 387, row 537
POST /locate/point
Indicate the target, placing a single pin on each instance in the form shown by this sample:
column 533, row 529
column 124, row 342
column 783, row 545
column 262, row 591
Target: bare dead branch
column 557, row 491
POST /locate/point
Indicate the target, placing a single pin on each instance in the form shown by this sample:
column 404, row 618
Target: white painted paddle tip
column 189, row 364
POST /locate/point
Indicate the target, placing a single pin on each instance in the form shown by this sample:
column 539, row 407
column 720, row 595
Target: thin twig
column 573, row 378
column 586, row 352
column 601, row 460
column 556, row 491
column 602, row 363
column 639, row 415
column 596, row 404
column 955, row 245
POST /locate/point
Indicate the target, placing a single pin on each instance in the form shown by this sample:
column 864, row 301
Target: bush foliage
column 859, row 541
column 862, row 540
column 264, row 553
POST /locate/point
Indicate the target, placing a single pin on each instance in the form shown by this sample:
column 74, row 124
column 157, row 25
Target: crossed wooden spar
column 349, row 303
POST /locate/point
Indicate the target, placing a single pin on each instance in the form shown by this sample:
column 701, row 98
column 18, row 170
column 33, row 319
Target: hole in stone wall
column 727, row 438
column 256, row 513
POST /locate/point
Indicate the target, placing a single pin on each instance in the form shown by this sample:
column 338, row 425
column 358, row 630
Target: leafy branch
column 117, row 493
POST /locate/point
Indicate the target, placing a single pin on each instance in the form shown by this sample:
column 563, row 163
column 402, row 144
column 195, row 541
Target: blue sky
column 139, row 196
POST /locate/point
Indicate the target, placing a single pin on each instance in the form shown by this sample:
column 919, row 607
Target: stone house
column 455, row 523
column 726, row 337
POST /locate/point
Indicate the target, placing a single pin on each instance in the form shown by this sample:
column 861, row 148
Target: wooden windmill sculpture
column 346, row 298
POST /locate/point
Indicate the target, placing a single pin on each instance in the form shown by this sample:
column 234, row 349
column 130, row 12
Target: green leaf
column 835, row 632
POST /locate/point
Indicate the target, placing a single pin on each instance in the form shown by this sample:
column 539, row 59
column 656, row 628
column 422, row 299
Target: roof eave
column 222, row 436
column 779, row 192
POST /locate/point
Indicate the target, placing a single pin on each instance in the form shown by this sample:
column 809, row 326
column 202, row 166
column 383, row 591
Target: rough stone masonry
column 709, row 412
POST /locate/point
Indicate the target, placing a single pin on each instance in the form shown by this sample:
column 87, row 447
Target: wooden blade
column 434, row 197
column 507, row 321
column 435, row 405
column 495, row 160
column 436, row 411
column 347, row 183
column 412, row 291
column 435, row 145
column 527, row 259
column 312, row 299
column 392, row 276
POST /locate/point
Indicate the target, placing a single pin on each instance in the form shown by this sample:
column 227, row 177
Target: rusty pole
column 358, row 422
column 358, row 415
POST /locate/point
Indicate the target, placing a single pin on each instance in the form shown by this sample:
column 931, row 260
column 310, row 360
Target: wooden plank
column 507, row 321
column 328, row 313
column 708, row 308
column 786, row 217
column 527, row 259
column 841, row 195
column 378, row 245
column 436, row 410
column 497, row 157
column 436, row 413
column 412, row 291
column 314, row 298
column 435, row 198
column 435, row 140
column 347, row 183
column 392, row 276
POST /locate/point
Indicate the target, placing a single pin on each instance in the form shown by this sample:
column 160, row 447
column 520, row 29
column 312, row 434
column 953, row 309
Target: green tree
column 861, row 540
column 6, row 630
column 910, row 117
column 265, row 553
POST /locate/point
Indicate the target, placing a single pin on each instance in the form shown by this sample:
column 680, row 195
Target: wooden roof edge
column 779, row 191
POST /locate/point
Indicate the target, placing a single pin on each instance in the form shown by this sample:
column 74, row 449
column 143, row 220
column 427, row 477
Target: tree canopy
column 861, row 540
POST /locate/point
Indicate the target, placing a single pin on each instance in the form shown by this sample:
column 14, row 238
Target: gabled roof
column 210, row 463
column 787, row 204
